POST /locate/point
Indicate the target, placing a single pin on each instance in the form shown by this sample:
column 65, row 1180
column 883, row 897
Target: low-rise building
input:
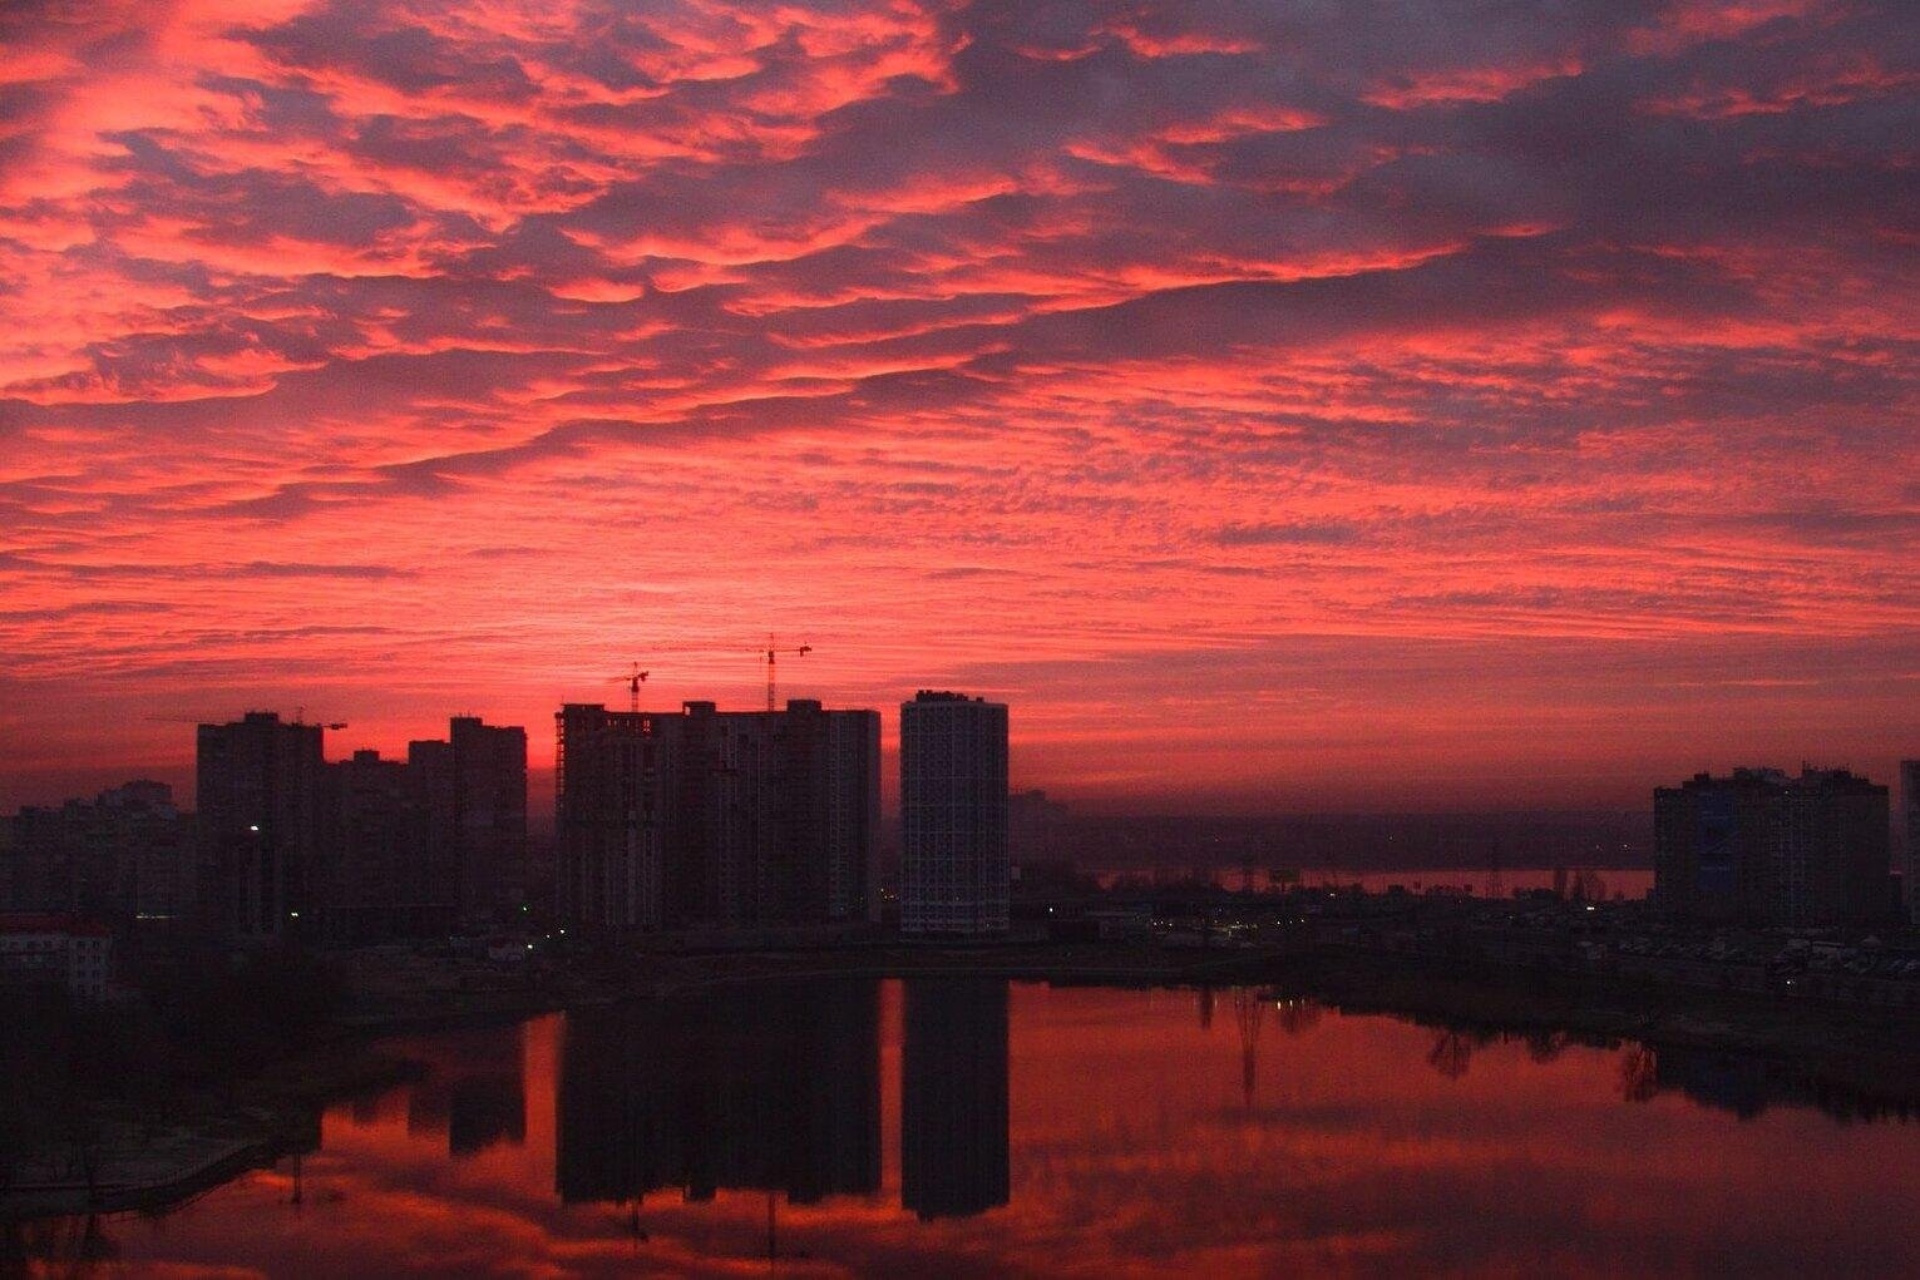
column 56, row 950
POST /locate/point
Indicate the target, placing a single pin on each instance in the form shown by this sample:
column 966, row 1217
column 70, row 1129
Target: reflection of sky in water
column 1141, row 1141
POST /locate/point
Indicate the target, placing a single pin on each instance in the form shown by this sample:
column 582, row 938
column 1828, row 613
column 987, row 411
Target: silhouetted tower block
column 953, row 803
column 490, row 765
column 954, row 1157
column 1764, row 847
column 717, row 819
column 258, row 793
column 831, row 789
column 374, row 825
column 617, row 784
column 1910, row 828
column 473, row 788
column 127, row 852
column 431, row 878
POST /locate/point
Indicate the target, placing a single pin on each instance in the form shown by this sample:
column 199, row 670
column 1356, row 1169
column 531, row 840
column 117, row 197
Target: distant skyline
column 1417, row 407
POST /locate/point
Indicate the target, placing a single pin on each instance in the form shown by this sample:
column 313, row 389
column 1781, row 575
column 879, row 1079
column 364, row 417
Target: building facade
column 473, row 792
column 1910, row 831
column 374, row 825
column 126, row 854
column 1764, row 847
column 361, row 850
column 58, row 951
column 711, row 819
column 953, row 806
column 259, row 787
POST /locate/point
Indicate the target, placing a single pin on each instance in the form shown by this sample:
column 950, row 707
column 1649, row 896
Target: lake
column 936, row 1127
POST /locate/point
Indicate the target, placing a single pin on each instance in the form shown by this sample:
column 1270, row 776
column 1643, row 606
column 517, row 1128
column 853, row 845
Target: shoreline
column 1876, row 1055
column 156, row 1168
column 24, row 1202
column 1472, row 991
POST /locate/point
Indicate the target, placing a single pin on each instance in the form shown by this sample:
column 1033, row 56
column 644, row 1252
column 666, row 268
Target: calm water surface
column 1606, row 882
column 959, row 1127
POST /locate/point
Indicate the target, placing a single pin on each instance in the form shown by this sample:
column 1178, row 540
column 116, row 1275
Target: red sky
column 1421, row 405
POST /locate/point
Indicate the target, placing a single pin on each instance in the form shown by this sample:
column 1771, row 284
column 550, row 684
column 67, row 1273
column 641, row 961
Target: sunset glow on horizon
column 1418, row 406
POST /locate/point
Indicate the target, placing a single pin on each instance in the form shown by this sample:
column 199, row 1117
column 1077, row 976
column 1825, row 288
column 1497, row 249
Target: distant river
column 940, row 1127
column 1629, row 882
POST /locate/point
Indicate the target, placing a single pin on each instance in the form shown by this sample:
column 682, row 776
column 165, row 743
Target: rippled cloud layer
column 1513, row 407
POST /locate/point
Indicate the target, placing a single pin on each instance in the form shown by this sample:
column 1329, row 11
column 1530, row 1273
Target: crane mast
column 633, row 680
column 773, row 651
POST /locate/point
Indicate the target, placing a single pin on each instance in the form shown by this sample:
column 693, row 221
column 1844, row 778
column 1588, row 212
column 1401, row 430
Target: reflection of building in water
column 773, row 1087
column 1249, row 1011
column 475, row 1090
column 1297, row 1016
column 1747, row 1085
column 953, row 1097
column 1639, row 1074
column 1452, row 1054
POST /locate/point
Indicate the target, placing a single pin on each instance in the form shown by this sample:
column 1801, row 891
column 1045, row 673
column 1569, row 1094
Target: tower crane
column 633, row 680
column 773, row 650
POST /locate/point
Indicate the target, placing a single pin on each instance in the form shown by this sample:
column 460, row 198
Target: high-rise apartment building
column 373, row 829
column 126, row 854
column 1910, row 830
column 259, row 795
column 716, row 819
column 473, row 791
column 953, row 806
column 1764, row 847
column 614, row 780
column 365, row 849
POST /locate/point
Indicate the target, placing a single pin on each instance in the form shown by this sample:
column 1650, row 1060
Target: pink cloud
column 963, row 338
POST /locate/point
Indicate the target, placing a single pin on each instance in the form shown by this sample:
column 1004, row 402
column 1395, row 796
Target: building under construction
column 712, row 819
